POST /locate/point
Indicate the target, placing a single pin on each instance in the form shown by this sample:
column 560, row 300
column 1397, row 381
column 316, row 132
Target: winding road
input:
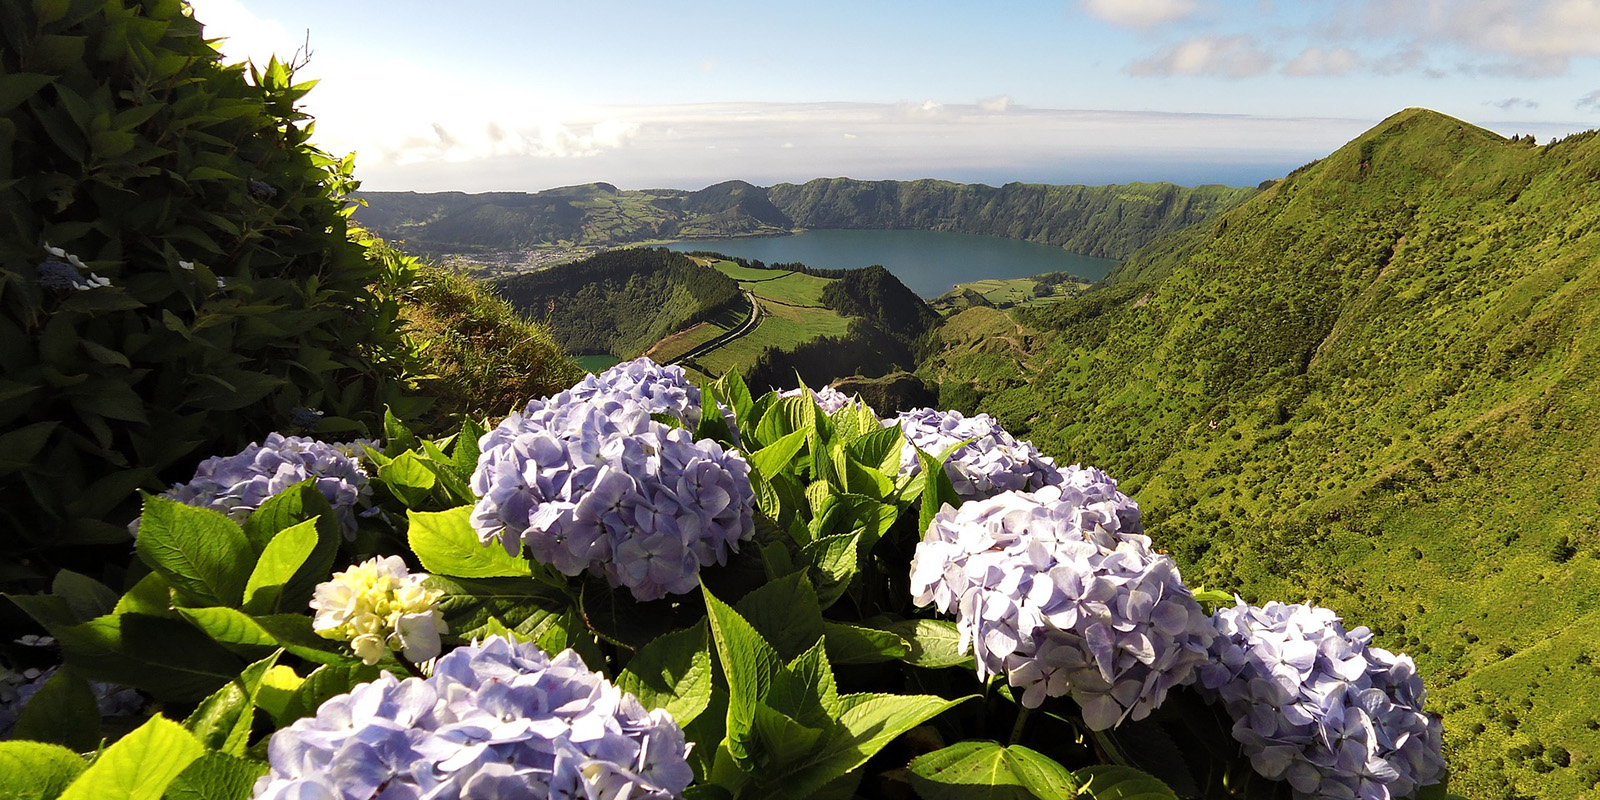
column 748, row 326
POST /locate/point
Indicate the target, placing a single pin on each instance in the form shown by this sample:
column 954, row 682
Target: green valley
column 1372, row 386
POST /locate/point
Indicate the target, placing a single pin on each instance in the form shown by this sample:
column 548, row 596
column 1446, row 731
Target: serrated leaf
column 202, row 554
column 674, row 673
column 222, row 721
column 775, row 458
column 834, row 563
column 295, row 506
column 87, row 597
column 974, row 769
column 854, row 644
column 880, row 449
column 278, row 685
column 409, row 478
column 165, row 656
column 749, row 665
column 786, row 614
column 868, row 723
column 446, row 544
column 479, row 608
column 283, row 557
column 216, row 776
column 140, row 765
column 1120, row 783
column 933, row 643
column 36, row 771
column 63, row 711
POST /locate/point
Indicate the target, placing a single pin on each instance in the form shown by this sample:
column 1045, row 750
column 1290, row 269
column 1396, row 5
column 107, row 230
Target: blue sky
column 505, row 95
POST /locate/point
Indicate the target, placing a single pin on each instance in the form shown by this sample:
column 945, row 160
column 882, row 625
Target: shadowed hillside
column 1109, row 221
column 1374, row 386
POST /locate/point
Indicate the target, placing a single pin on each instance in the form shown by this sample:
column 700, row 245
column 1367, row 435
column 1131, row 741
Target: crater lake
column 928, row 262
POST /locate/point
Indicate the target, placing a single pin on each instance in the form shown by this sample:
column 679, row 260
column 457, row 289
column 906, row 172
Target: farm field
column 792, row 314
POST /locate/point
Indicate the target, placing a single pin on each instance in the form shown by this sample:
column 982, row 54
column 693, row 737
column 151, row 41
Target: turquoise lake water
column 928, row 262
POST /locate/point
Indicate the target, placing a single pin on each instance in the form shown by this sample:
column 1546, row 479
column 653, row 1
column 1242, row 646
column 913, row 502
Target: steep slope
column 1375, row 386
column 1110, row 221
column 1104, row 221
column 620, row 302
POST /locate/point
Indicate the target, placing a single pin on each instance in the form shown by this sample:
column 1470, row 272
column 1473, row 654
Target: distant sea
column 929, row 262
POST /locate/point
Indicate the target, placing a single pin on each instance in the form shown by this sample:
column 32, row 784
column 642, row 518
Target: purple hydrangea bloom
column 829, row 399
column 1319, row 707
column 496, row 720
column 596, row 484
column 1058, row 591
column 237, row 484
column 659, row 389
column 992, row 463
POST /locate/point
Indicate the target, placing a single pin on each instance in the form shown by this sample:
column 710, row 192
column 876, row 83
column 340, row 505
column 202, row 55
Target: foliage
column 1111, row 221
column 218, row 292
column 1372, row 388
column 478, row 356
column 620, row 302
column 801, row 668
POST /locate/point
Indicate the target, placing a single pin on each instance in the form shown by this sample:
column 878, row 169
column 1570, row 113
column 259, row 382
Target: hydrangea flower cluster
column 659, row 389
column 378, row 606
column 494, row 721
column 829, row 399
column 237, row 484
column 1052, row 590
column 1318, row 706
column 62, row 270
column 992, row 463
column 596, row 484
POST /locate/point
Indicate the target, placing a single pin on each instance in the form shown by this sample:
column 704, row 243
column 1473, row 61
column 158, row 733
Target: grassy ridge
column 793, row 313
column 1374, row 386
column 1111, row 221
column 620, row 302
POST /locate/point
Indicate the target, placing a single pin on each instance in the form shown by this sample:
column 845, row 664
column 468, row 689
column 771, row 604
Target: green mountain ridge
column 1107, row 221
column 1372, row 386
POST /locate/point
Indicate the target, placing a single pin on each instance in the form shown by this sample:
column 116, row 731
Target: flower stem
column 1022, row 719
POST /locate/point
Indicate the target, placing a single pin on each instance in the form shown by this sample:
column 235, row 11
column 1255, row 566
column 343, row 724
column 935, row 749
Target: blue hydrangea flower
column 18, row 687
column 660, row 389
column 494, row 721
column 1319, row 707
column 829, row 399
column 992, row 463
column 237, row 484
column 1058, row 591
column 62, row 270
column 596, row 484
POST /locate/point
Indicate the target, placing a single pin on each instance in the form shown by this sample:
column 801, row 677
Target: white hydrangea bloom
column 378, row 606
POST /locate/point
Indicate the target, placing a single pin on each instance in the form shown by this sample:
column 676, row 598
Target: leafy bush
column 218, row 292
column 796, row 670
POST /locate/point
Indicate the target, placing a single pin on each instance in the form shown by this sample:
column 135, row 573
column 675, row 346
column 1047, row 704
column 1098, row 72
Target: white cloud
column 1218, row 56
column 1139, row 13
column 995, row 105
column 1589, row 102
column 1318, row 61
column 1538, row 37
column 773, row 142
column 249, row 36
column 1513, row 103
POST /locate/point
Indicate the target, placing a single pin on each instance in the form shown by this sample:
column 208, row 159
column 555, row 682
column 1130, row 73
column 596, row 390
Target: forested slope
column 1375, row 386
column 620, row 302
column 1111, row 221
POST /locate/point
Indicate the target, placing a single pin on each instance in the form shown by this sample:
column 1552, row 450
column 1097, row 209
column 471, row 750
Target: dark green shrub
column 234, row 297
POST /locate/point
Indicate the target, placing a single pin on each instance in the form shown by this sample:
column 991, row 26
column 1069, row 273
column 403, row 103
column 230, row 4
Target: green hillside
column 1374, row 385
column 621, row 302
column 1111, row 221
